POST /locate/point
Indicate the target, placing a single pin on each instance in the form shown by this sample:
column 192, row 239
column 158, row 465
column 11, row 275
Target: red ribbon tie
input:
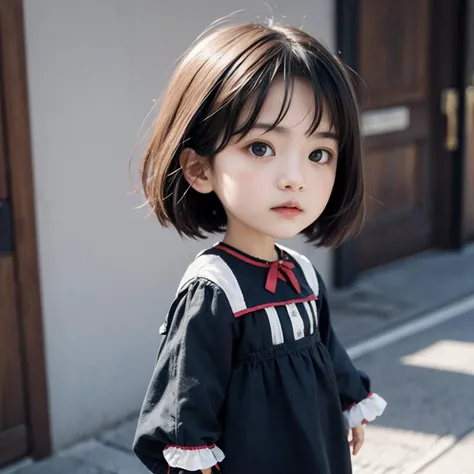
column 282, row 270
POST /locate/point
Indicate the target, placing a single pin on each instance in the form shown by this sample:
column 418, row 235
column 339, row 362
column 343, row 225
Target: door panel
column 397, row 171
column 13, row 439
column 393, row 55
column 393, row 61
column 468, row 214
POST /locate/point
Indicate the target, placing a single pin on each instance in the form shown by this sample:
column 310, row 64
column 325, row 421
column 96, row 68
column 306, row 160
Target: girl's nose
column 292, row 180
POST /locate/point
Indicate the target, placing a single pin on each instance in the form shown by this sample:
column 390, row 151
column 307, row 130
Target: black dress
column 250, row 369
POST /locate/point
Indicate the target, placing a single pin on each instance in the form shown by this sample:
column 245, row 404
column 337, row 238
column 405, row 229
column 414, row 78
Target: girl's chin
column 284, row 233
column 285, row 229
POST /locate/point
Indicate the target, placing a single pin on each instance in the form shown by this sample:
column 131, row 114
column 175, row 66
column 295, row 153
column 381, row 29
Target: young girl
column 258, row 137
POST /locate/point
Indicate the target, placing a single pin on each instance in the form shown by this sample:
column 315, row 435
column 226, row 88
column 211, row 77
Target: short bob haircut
column 220, row 74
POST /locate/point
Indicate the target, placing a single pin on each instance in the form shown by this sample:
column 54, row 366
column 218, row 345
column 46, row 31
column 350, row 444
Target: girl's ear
column 195, row 169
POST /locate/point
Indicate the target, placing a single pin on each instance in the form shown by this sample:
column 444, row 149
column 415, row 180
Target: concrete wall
column 107, row 273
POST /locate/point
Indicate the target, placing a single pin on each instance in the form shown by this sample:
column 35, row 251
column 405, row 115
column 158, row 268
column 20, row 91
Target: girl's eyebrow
column 285, row 130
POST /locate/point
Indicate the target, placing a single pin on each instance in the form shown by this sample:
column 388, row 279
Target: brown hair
column 221, row 73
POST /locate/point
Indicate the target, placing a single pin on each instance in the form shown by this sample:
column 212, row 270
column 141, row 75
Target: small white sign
column 378, row 122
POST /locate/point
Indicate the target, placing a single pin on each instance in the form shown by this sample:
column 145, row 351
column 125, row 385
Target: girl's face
column 277, row 183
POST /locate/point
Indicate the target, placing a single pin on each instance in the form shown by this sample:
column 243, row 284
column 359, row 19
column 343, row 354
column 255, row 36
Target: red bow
column 282, row 270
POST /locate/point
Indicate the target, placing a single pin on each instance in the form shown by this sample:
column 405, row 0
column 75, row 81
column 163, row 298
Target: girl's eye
column 320, row 156
column 260, row 149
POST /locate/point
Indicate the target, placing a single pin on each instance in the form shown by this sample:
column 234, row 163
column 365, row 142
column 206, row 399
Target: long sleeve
column 358, row 402
column 179, row 423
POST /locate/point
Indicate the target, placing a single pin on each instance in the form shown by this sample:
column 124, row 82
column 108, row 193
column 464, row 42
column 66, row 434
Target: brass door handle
column 449, row 107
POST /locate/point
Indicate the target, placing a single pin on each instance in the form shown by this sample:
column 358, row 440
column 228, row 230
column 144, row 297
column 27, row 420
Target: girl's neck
column 251, row 242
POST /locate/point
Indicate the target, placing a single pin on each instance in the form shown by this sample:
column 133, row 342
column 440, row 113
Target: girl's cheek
column 233, row 167
column 325, row 176
column 240, row 174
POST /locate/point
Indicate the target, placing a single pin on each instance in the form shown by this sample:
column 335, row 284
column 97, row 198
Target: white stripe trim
column 275, row 326
column 306, row 266
column 296, row 321
column 310, row 317
column 315, row 311
column 213, row 268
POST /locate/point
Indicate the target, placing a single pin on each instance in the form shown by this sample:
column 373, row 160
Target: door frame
column 447, row 40
column 18, row 139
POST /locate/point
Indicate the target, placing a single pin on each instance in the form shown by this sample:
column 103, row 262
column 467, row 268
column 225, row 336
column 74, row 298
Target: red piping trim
column 268, row 305
column 243, row 257
column 190, row 448
column 279, row 269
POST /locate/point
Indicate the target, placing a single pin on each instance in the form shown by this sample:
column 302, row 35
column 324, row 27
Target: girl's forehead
column 299, row 110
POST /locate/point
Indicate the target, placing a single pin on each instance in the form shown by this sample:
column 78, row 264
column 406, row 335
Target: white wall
column 107, row 274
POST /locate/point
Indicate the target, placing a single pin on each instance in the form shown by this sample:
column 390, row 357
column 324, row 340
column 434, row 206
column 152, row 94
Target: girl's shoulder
column 203, row 292
column 209, row 269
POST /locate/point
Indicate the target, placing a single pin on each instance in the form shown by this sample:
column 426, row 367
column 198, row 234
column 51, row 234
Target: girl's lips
column 287, row 211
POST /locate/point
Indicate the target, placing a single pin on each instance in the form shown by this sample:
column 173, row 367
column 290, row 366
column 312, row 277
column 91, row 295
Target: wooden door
column 13, row 432
column 24, row 419
column 393, row 61
column 468, row 201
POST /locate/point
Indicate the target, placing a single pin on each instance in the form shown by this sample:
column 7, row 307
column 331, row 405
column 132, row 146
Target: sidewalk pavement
column 386, row 297
column 428, row 382
column 109, row 452
column 381, row 299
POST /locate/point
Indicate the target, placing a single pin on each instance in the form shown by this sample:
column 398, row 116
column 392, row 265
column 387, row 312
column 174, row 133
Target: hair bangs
column 238, row 113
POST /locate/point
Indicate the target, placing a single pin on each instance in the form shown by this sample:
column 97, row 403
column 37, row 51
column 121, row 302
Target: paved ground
column 400, row 291
column 428, row 381
column 428, row 378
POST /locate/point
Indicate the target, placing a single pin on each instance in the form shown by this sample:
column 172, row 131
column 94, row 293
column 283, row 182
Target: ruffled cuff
column 192, row 458
column 365, row 411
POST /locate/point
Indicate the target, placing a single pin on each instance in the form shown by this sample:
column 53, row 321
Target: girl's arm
column 358, row 402
column 178, row 425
